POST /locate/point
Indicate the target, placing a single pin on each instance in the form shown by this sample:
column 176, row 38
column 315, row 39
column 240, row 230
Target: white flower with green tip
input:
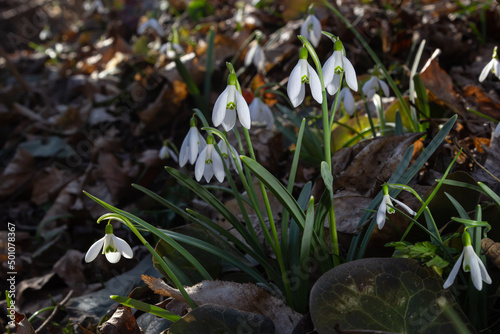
column 311, row 29
column 345, row 96
column 171, row 50
column 209, row 163
column 151, row 24
column 301, row 74
column 387, row 207
column 255, row 55
column 192, row 144
column 166, row 152
column 113, row 247
column 493, row 66
column 261, row 113
column 334, row 66
column 227, row 155
column 228, row 103
column 472, row 263
column 373, row 85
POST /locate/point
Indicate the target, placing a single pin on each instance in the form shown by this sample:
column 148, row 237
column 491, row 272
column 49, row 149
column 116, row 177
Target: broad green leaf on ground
column 381, row 294
column 212, row 319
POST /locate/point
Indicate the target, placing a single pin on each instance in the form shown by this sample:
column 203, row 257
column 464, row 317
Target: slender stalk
column 327, row 146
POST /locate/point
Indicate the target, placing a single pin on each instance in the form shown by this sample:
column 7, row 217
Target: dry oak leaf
column 244, row 297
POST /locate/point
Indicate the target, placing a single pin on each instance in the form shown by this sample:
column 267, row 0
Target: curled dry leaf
column 122, row 321
column 244, row 297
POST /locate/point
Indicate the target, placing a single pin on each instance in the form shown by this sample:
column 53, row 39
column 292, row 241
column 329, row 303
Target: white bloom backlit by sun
column 261, row 113
column 228, row 103
column 493, row 66
column 334, row 66
column 472, row 263
column 255, row 55
column 311, row 29
column 113, row 247
column 373, row 85
column 301, row 74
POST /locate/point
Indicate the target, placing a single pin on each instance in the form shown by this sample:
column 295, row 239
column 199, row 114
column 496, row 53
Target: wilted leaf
column 381, row 294
column 70, row 269
column 212, row 319
column 244, row 297
column 122, row 321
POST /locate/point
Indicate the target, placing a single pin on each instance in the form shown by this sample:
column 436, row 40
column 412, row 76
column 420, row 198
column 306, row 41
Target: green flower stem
column 276, row 247
column 332, row 224
column 158, row 258
column 368, row 49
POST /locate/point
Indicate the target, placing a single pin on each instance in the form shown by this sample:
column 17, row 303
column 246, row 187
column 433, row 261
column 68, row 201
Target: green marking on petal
column 110, row 249
column 304, row 79
column 339, row 70
column 467, row 267
column 231, row 105
column 208, row 162
column 390, row 210
column 225, row 156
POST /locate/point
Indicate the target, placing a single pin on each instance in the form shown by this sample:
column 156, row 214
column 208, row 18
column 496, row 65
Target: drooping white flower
column 255, row 55
column 228, row 103
column 373, row 85
column 192, row 144
column 227, row 155
column 171, row 50
column 311, row 29
column 334, row 66
column 151, row 24
column 472, row 263
column 261, row 113
column 345, row 96
column 166, row 152
column 387, row 207
column 209, row 163
column 113, row 247
column 301, row 74
column 493, row 66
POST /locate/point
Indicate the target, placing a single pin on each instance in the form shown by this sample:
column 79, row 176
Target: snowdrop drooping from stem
column 151, row 24
column 493, row 66
column 113, row 247
column 311, row 29
column 227, row 155
column 301, row 74
column 334, row 66
column 345, row 96
column 261, row 113
column 373, row 85
column 192, row 144
column 209, row 163
column 228, row 103
column 387, row 207
column 166, row 152
column 255, row 54
column 472, row 263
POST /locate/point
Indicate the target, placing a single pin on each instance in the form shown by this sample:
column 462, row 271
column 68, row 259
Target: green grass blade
column 145, row 307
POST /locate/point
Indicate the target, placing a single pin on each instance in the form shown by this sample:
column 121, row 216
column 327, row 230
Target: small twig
column 464, row 150
column 54, row 311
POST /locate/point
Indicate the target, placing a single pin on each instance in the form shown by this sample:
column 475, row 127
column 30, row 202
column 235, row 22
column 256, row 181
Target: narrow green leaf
column 141, row 306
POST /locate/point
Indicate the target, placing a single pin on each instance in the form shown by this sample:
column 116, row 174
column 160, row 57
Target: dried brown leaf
column 122, row 321
column 244, row 297
column 17, row 173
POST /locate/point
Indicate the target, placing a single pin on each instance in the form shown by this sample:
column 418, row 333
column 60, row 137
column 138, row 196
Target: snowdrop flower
column 261, row 113
column 209, row 163
column 256, row 56
column 192, row 144
column 345, row 96
column 386, row 206
column 171, row 50
column 113, row 247
column 95, row 5
column 228, row 156
column 472, row 263
column 493, row 66
column 311, row 29
column 373, row 85
column 152, row 24
column 301, row 74
column 227, row 104
column 166, row 152
column 334, row 66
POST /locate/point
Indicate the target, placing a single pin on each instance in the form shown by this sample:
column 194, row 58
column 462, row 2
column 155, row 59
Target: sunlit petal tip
column 113, row 257
column 94, row 250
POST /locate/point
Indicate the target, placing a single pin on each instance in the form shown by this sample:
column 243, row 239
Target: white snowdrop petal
column 193, row 144
column 404, row 206
column 484, row 273
column 486, row 70
column 381, row 213
column 94, row 250
column 328, row 70
column 334, row 85
column 220, row 106
column 497, row 130
column 229, row 120
column 123, row 247
column 184, row 152
column 349, row 105
column 454, row 272
column 384, row 86
column 113, row 257
column 294, row 85
column 218, row 166
column 250, row 54
column 315, row 84
column 350, row 74
column 199, row 168
column 496, row 68
column 475, row 272
column 243, row 111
